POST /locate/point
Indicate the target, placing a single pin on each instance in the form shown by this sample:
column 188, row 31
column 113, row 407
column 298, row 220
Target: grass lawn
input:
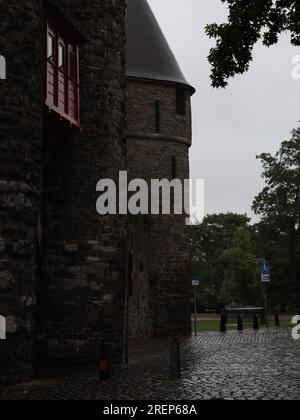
column 213, row 324
column 207, row 315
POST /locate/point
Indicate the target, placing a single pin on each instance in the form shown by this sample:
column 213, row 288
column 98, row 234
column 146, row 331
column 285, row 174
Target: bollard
column 277, row 320
column 223, row 326
column 103, row 362
column 255, row 323
column 175, row 363
column 240, row 323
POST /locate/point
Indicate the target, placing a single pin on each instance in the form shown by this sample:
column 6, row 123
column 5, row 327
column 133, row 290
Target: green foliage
column 278, row 203
column 242, row 284
column 209, row 240
column 228, row 251
column 279, row 207
column 248, row 22
column 267, row 244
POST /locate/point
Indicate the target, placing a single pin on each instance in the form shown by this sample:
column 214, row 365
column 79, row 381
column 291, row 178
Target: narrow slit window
column 174, row 167
column 180, row 102
column 130, row 274
column 50, row 47
column 157, row 116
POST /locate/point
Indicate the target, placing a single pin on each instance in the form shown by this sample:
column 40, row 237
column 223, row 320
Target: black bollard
column 223, row 326
column 277, row 320
column 240, row 323
column 175, row 363
column 255, row 323
column 103, row 362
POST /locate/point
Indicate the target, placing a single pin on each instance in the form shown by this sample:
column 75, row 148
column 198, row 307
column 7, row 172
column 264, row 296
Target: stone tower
column 158, row 142
column 21, row 128
column 61, row 265
column 70, row 278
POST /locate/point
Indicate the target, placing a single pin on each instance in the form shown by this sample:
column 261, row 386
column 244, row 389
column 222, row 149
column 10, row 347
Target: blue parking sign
column 265, row 268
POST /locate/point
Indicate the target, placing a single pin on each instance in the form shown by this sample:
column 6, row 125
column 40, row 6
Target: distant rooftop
column 149, row 55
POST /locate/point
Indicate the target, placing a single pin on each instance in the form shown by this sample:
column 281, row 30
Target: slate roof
column 149, row 55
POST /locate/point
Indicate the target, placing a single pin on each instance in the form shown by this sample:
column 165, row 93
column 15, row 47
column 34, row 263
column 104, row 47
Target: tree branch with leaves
column 249, row 22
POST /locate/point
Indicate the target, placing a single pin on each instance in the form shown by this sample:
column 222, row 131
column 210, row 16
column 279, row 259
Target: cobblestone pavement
column 249, row 365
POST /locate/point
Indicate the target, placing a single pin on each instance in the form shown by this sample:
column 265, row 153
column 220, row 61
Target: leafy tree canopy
column 209, row 240
column 279, row 207
column 278, row 204
column 216, row 232
column 242, row 283
column 248, row 22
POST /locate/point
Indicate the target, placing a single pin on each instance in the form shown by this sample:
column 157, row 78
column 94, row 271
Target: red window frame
column 62, row 74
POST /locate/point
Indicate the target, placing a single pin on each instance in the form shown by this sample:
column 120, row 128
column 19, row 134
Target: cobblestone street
column 249, row 365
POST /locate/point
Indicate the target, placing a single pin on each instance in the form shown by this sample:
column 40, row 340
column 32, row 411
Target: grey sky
column 253, row 115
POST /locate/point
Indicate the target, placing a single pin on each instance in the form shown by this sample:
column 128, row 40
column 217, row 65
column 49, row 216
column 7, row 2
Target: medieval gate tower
column 159, row 138
column 74, row 110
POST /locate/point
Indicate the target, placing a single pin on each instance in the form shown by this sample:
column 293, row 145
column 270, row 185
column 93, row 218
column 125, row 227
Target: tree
column 209, row 240
column 279, row 207
column 268, row 245
column 242, row 283
column 249, row 21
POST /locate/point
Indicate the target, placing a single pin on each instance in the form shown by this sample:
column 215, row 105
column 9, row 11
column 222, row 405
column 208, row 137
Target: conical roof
column 149, row 55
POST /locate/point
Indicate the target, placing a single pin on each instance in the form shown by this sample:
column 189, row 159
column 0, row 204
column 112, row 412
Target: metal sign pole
column 266, row 278
column 195, row 310
column 196, row 283
column 266, row 307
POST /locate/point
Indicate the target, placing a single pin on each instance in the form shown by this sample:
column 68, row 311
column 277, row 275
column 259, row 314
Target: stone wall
column 152, row 155
column 82, row 298
column 61, row 265
column 139, row 293
column 64, row 269
column 21, row 111
column 141, row 111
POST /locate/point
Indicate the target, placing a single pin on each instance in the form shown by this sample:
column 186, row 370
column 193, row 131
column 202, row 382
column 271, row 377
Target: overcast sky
column 253, row 115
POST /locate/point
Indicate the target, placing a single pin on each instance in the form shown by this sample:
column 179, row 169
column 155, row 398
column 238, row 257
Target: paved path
column 249, row 365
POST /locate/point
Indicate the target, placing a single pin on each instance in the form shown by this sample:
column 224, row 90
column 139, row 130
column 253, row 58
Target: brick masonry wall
column 21, row 111
column 140, row 305
column 141, row 110
column 82, row 298
column 62, row 267
column 150, row 156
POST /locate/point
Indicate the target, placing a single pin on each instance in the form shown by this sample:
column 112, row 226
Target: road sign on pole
column 265, row 267
column 196, row 283
column 266, row 278
column 265, row 272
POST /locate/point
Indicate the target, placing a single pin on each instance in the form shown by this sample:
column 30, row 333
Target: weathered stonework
column 21, row 119
column 48, row 177
column 68, row 277
column 162, row 291
column 81, row 258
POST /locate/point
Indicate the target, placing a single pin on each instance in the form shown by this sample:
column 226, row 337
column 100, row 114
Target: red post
column 103, row 362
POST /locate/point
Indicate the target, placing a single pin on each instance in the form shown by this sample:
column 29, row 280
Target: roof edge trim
column 149, row 81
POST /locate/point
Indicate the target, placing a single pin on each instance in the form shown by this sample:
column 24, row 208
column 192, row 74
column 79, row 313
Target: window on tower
column 62, row 72
column 157, row 116
column 61, row 57
column 174, row 167
column 180, row 102
column 50, row 46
